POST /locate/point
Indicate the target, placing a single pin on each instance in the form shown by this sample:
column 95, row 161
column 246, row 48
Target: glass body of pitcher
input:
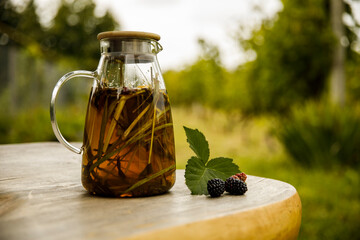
column 128, row 146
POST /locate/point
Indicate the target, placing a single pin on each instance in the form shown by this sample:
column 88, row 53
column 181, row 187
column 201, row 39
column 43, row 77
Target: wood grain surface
column 41, row 197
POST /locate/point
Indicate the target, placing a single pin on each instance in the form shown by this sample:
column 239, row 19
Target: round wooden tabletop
column 41, row 197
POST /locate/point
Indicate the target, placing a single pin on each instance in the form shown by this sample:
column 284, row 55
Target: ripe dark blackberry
column 235, row 186
column 215, row 187
column 229, row 182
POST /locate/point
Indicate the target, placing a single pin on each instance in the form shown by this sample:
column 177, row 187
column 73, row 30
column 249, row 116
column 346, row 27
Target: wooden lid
column 128, row 34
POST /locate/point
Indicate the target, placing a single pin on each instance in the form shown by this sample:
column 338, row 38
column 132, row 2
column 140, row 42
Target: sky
column 180, row 23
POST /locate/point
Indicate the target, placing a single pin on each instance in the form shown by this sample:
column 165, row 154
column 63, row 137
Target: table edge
column 283, row 222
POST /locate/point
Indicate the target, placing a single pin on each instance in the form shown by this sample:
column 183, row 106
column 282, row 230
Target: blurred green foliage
column 322, row 135
column 208, row 83
column 353, row 80
column 33, row 125
column 293, row 57
column 71, row 37
column 203, row 82
column 74, row 31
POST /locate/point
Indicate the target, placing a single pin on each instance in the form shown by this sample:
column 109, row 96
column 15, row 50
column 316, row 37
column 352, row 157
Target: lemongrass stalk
column 156, row 99
column 113, row 122
column 152, row 136
column 132, row 125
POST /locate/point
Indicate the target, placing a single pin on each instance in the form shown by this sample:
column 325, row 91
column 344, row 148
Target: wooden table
column 41, row 197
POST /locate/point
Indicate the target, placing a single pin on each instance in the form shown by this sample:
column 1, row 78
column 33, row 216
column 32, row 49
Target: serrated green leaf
column 197, row 174
column 194, row 168
column 223, row 167
column 198, row 143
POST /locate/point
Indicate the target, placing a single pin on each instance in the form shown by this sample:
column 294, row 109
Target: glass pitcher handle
column 55, row 92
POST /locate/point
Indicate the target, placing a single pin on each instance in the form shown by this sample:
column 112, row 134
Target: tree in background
column 347, row 40
column 319, row 133
column 71, row 35
column 202, row 82
column 337, row 73
column 74, row 31
column 294, row 55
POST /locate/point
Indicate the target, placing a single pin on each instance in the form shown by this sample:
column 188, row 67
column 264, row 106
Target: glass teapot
column 128, row 145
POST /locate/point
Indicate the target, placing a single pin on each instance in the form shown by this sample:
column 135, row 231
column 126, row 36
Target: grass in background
column 33, row 125
column 228, row 135
column 330, row 198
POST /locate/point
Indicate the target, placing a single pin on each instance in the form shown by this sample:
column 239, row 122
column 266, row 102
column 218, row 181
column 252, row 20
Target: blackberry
column 215, row 187
column 235, row 186
column 229, row 182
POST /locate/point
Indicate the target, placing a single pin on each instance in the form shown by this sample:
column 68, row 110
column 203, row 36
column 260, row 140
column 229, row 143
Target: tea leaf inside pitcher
column 128, row 141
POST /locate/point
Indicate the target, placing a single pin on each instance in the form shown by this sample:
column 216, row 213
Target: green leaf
column 193, row 176
column 223, row 167
column 197, row 174
column 199, row 170
column 198, row 143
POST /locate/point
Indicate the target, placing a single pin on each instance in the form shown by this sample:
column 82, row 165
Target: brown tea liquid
column 128, row 143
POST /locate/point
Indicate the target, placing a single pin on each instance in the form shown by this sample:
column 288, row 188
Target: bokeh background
column 275, row 85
